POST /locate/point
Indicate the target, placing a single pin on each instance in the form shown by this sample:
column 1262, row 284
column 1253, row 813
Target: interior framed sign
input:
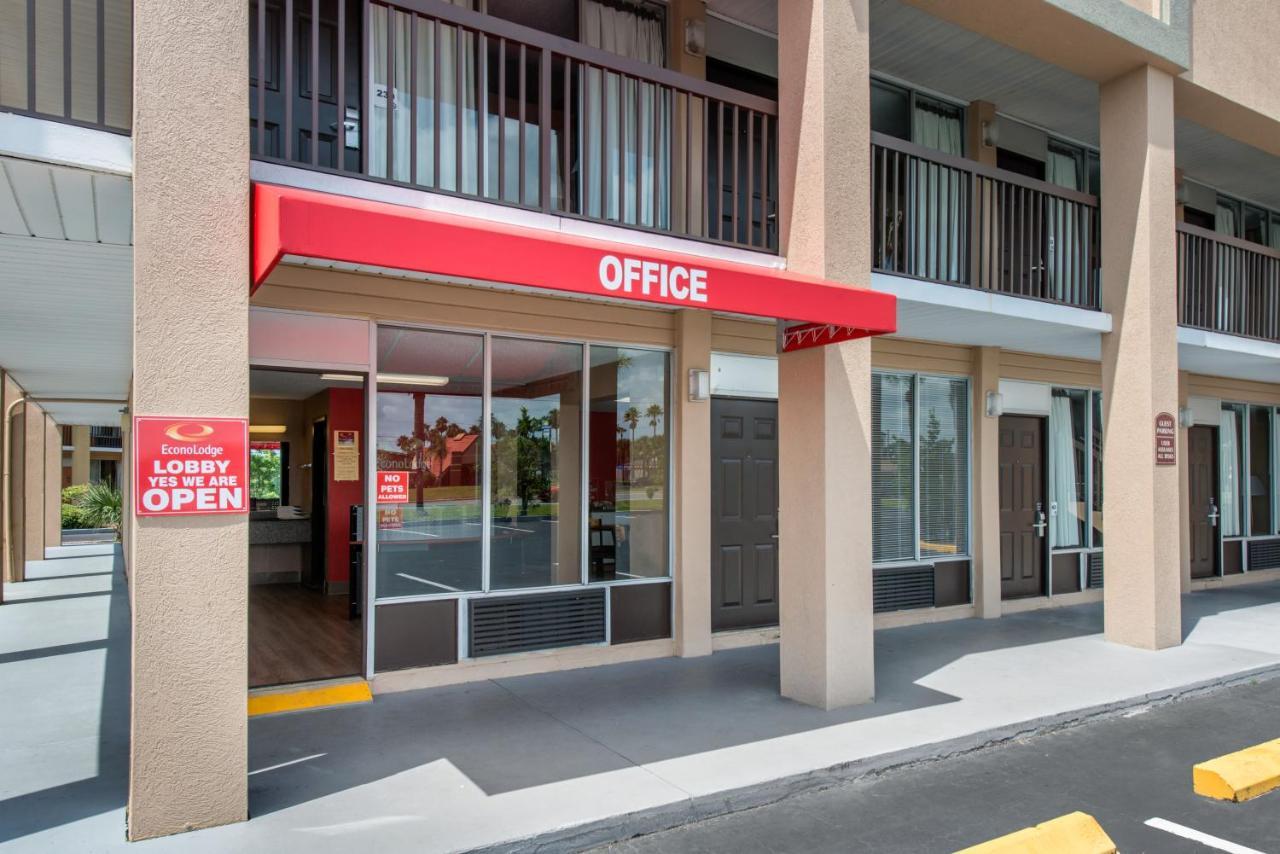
column 190, row 466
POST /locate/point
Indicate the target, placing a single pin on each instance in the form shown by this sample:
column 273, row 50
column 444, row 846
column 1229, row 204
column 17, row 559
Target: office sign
column 190, row 466
column 288, row 221
column 393, row 487
column 1166, row 440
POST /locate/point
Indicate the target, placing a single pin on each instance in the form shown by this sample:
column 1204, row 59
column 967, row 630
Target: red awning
column 309, row 224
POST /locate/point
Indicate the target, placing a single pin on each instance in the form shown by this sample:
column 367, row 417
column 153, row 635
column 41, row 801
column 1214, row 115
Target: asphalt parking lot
column 1131, row 773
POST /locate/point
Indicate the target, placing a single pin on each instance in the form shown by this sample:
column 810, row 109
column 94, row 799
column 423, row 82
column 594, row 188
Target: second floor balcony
column 1228, row 284
column 432, row 95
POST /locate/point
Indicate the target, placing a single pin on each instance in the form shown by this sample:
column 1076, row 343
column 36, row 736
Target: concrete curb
column 1239, row 776
column 627, row 825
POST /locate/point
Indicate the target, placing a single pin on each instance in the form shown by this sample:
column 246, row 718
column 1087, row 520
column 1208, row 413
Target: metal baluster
column 315, row 82
column 413, row 98
column 340, row 75
column 288, row 80
column 544, row 131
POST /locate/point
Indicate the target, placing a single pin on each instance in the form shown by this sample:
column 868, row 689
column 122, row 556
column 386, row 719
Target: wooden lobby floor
column 299, row 635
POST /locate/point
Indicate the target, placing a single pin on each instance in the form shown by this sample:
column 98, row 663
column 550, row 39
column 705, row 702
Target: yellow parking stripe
column 309, row 698
column 1074, row 833
column 1241, row 775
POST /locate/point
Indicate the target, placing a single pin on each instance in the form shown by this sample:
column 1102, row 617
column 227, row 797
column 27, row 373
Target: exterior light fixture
column 699, row 384
column 991, row 133
column 413, row 379
column 995, row 404
column 695, row 37
column 1186, row 417
column 268, row 428
column 342, row 378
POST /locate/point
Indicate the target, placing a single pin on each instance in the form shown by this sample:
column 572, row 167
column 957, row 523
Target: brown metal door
column 1202, row 461
column 744, row 513
column 1022, row 516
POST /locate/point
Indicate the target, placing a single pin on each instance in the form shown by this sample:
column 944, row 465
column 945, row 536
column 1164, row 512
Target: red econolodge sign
column 393, row 487
column 190, row 466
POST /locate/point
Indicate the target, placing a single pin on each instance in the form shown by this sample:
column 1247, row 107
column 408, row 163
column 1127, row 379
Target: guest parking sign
column 190, row 466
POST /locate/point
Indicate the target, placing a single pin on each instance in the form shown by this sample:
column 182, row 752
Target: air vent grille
column 508, row 624
column 1095, row 569
column 1264, row 555
column 900, row 588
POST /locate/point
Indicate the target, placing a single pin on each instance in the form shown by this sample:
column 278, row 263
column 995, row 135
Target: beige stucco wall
column 188, row 765
column 80, row 454
column 390, row 299
column 1233, row 52
column 692, row 618
column 52, row 483
column 33, row 430
column 1140, row 360
column 824, row 394
column 11, row 423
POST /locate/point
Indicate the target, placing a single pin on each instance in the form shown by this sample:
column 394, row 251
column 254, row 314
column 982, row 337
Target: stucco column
column 986, row 485
column 190, row 358
column 33, row 483
column 1139, row 360
column 80, row 439
column 1184, row 491
column 693, row 477
column 824, row 394
column 52, row 483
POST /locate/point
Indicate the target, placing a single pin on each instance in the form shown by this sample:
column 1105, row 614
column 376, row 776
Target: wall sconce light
column 695, row 37
column 699, row 384
column 991, row 133
column 995, row 404
column 1186, row 417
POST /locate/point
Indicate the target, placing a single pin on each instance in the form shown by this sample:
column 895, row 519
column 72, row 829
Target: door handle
column 774, row 536
column 1213, row 514
column 1040, row 524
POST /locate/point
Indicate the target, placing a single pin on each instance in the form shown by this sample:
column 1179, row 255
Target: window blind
column 892, row 468
column 943, row 425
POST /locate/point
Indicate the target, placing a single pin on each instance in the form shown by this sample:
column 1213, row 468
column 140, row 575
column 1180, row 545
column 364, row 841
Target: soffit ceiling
column 757, row 14
column 1228, row 165
column 66, row 292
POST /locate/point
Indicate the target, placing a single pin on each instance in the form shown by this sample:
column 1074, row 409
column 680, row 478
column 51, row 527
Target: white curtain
column 938, row 192
column 1224, row 220
column 1063, row 249
column 1229, row 467
column 448, row 41
column 1062, row 463
column 626, row 104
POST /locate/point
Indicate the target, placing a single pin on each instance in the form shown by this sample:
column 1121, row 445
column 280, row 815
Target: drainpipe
column 6, row 504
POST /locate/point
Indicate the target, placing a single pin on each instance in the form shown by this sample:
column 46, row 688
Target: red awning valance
column 309, row 224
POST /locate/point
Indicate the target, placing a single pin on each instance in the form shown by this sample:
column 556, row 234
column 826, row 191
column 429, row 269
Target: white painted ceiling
column 1227, row 164
column 66, row 286
column 757, row 14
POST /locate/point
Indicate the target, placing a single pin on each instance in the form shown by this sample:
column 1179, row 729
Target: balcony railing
column 1226, row 284
column 439, row 97
column 955, row 221
column 71, row 61
column 105, row 437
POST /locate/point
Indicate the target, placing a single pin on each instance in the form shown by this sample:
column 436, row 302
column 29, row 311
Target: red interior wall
column 602, row 465
column 346, row 412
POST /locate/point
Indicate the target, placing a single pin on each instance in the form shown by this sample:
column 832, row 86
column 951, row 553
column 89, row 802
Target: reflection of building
column 543, row 221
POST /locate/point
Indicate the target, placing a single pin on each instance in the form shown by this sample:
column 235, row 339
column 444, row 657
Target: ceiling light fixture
column 268, row 428
column 342, row 378
column 412, row 379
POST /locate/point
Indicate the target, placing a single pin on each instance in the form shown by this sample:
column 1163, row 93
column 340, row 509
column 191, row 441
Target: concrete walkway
column 571, row 758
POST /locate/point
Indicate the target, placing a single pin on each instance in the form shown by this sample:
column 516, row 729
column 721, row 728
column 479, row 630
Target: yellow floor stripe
column 309, row 698
column 1075, row 833
column 1241, row 775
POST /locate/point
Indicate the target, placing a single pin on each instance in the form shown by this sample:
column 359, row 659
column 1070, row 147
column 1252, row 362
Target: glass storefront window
column 536, row 452
column 1096, row 451
column 1260, row 521
column 1230, row 466
column 1068, row 468
column 944, row 466
column 892, row 468
column 627, row 464
column 430, row 412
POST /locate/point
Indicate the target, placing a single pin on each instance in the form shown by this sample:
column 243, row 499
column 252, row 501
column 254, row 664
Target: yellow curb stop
column 1074, row 833
column 309, row 698
column 1241, row 775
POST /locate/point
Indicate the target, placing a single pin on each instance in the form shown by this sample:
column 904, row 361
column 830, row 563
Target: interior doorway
column 744, row 513
column 306, row 445
column 1202, row 472
column 1023, row 521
